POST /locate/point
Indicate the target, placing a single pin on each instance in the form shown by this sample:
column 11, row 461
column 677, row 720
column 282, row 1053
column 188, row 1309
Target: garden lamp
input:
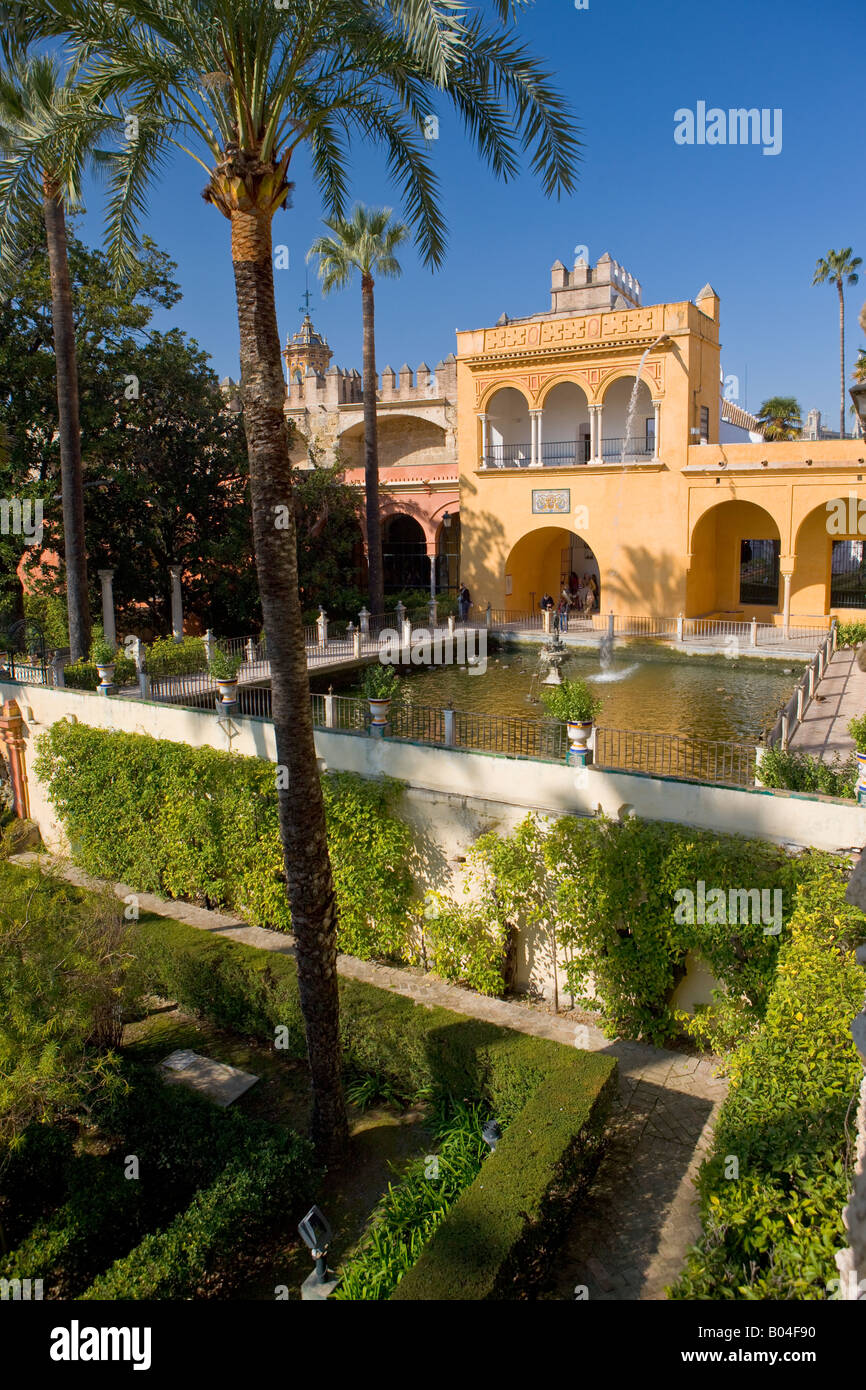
column 491, row 1133
column 316, row 1234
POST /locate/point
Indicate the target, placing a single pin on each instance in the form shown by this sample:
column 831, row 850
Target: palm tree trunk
column 842, row 358
column 301, row 805
column 72, row 493
column 376, row 580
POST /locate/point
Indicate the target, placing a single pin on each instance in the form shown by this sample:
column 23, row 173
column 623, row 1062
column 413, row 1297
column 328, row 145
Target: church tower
column 306, row 349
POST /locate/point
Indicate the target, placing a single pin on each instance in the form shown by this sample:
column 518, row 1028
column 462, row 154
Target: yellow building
column 588, row 441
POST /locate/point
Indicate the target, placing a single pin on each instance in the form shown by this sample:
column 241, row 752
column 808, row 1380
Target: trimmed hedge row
column 773, row 1221
column 496, row 1241
column 182, row 1143
column 245, row 1199
column 553, row 1099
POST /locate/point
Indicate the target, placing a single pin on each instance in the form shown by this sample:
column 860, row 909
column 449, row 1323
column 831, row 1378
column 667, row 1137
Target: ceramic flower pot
column 379, row 711
column 861, row 776
column 579, row 732
column 106, row 677
column 228, row 691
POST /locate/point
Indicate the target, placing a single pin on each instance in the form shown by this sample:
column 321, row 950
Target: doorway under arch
column 545, row 561
column 404, row 554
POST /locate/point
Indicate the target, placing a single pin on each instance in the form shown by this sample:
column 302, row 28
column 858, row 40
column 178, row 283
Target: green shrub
column 83, row 675
column 570, row 702
column 380, row 682
column 850, row 634
column 201, row 824
column 857, row 730
column 771, row 1232
column 225, row 667
column 169, row 658
column 801, row 772
column 220, row 1223
column 64, row 986
column 462, row 944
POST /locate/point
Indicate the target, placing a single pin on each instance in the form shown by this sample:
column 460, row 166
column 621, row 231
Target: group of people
column 580, row 595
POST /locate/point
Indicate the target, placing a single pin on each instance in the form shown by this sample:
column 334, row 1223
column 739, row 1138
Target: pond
column 644, row 688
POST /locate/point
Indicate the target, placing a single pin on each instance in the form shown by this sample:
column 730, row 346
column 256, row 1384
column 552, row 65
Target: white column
column 657, row 410
column 535, row 428
column 176, row 604
column 786, row 604
column 105, row 579
column 594, row 432
column 485, row 437
column 432, row 559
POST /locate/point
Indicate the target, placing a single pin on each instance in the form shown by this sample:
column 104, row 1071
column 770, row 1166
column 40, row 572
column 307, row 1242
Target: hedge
column 553, row 1099
column 773, row 1221
column 83, row 675
column 182, row 1142
column 243, row 1202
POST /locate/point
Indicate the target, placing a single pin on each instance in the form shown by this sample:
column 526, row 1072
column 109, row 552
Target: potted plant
column 857, row 730
column 380, row 685
column 224, row 669
column 103, row 656
column 574, row 704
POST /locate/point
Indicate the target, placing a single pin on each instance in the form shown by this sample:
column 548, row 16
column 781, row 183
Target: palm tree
column 366, row 243
column 249, row 84
column 780, row 418
column 46, row 134
column 840, row 269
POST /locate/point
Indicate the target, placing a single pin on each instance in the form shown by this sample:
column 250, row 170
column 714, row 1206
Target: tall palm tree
column 47, row 132
column 780, row 417
column 366, row 242
column 242, row 86
column 839, row 268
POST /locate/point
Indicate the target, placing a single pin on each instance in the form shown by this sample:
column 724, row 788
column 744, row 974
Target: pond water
column 643, row 688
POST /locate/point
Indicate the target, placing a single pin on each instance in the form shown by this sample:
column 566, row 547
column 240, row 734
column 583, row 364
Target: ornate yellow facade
column 589, row 442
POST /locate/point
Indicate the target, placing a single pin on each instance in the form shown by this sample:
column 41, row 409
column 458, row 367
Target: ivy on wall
column 201, row 824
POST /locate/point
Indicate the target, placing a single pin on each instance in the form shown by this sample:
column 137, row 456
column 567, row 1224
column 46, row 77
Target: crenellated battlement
column 336, row 386
column 606, row 285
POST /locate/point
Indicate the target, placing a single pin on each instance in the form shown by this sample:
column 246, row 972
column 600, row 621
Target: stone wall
column 452, row 796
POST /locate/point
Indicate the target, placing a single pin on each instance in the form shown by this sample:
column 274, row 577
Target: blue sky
column 751, row 224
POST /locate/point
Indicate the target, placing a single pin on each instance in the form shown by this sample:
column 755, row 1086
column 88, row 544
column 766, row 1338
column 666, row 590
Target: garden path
column 629, row 1238
column 839, row 695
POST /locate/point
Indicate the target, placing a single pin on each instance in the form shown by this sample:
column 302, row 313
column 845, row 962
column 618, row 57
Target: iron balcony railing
column 635, row 447
column 566, row 453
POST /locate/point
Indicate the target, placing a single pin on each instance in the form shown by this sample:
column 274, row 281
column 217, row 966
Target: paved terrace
column 839, row 696
column 629, row 1236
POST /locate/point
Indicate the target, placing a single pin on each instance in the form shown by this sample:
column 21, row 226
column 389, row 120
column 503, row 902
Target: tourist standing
column 464, row 601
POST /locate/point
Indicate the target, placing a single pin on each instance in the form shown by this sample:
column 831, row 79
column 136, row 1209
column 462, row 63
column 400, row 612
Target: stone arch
column 565, row 437
column 509, row 430
column 731, row 567
column 403, row 440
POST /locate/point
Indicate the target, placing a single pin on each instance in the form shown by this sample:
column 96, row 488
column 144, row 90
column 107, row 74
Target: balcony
column 567, row 453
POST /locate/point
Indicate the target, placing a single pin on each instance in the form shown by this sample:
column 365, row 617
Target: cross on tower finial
column 305, row 307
